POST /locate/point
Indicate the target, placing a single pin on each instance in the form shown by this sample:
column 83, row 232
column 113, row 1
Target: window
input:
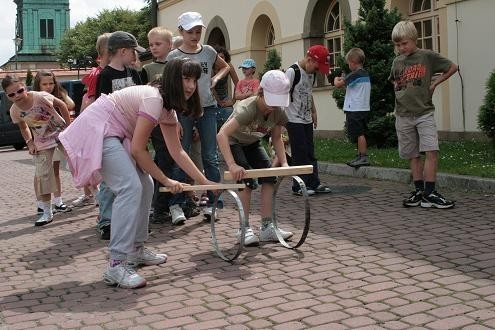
column 427, row 24
column 270, row 36
column 420, row 5
column 334, row 34
column 46, row 28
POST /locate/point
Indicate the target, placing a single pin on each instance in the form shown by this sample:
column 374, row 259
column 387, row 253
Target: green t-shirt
column 253, row 124
column 412, row 76
column 152, row 71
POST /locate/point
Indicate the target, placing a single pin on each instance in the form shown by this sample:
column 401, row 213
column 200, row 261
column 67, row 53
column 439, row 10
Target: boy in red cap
column 302, row 115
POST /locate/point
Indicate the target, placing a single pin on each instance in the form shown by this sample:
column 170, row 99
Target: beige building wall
column 471, row 26
column 243, row 24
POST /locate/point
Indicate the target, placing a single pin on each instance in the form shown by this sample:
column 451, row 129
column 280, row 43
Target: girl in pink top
column 115, row 151
column 248, row 86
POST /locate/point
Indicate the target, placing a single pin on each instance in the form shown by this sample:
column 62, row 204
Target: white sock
column 47, row 208
column 58, row 201
column 40, row 204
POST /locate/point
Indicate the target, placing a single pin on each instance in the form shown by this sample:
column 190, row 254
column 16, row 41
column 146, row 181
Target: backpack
column 297, row 78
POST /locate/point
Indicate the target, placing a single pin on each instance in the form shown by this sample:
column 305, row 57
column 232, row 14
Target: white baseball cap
column 190, row 19
column 276, row 87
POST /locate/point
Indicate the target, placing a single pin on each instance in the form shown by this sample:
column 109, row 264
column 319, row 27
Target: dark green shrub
column 29, row 78
column 486, row 116
column 273, row 62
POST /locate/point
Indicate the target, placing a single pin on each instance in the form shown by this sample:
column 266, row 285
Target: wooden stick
column 273, row 171
column 220, row 186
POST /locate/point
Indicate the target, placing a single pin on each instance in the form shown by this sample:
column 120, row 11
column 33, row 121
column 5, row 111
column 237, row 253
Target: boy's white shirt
column 299, row 110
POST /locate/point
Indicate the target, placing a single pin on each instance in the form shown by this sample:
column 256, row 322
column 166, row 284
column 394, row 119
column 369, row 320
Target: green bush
column 273, row 62
column 29, row 78
column 486, row 116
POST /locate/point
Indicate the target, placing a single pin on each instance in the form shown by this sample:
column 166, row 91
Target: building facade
column 40, row 26
column 455, row 28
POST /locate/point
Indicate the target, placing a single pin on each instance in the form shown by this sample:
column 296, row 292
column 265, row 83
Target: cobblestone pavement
column 368, row 263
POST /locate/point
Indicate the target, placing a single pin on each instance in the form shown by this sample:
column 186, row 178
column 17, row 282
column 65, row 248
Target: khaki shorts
column 58, row 155
column 43, row 163
column 416, row 135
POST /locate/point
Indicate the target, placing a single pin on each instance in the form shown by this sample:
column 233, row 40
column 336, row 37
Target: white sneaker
column 208, row 211
column 44, row 219
column 249, row 237
column 177, row 214
column 144, row 257
column 83, row 200
column 124, row 276
column 267, row 234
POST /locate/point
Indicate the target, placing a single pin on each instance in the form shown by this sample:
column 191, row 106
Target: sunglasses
column 19, row 91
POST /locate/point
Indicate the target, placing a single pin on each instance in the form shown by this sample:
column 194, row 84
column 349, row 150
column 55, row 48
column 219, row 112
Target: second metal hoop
column 307, row 215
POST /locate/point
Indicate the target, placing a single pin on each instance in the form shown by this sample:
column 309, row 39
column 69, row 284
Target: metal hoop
column 242, row 226
column 307, row 216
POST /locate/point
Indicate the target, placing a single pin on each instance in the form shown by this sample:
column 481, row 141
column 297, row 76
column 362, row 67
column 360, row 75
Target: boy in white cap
column 239, row 141
column 191, row 26
column 248, row 86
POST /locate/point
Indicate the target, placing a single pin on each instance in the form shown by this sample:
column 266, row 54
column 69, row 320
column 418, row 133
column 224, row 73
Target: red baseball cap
column 320, row 54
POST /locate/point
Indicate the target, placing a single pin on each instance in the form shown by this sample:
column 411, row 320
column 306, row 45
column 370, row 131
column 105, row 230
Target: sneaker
column 208, row 212
column 437, row 201
column 124, row 276
column 83, row 200
column 178, row 217
column 414, row 199
column 321, row 189
column 40, row 211
column 204, row 200
column 249, row 237
column 61, row 208
column 310, row 192
column 44, row 219
column 267, row 234
column 161, row 217
column 144, row 257
column 104, row 232
column 359, row 161
column 191, row 209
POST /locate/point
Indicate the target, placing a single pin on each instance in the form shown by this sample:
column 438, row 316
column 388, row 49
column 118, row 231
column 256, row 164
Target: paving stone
column 386, row 268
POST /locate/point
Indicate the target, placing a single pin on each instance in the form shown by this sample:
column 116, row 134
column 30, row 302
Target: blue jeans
column 222, row 115
column 105, row 200
column 207, row 127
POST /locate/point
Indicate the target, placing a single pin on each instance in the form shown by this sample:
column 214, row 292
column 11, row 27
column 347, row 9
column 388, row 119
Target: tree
column 372, row 33
column 79, row 42
column 273, row 62
column 486, row 115
column 29, row 77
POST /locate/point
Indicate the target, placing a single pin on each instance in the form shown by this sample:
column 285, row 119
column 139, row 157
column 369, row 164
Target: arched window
column 333, row 31
column 423, row 14
column 270, row 37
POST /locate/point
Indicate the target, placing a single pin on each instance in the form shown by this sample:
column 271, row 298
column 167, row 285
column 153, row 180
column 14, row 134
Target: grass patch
column 464, row 158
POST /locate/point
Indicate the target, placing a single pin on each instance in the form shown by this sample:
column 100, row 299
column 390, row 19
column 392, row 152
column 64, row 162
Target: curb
column 444, row 180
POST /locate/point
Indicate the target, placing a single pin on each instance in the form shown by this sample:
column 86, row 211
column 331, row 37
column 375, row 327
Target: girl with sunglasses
column 40, row 125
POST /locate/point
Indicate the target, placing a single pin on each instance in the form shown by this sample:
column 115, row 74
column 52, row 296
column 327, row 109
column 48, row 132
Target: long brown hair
column 172, row 90
column 58, row 90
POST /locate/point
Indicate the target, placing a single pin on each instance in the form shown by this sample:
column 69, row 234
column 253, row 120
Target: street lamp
column 17, row 42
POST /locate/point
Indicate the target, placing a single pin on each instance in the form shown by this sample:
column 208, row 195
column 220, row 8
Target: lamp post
column 17, row 42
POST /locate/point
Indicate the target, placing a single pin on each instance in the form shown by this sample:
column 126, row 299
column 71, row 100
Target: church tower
column 40, row 25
